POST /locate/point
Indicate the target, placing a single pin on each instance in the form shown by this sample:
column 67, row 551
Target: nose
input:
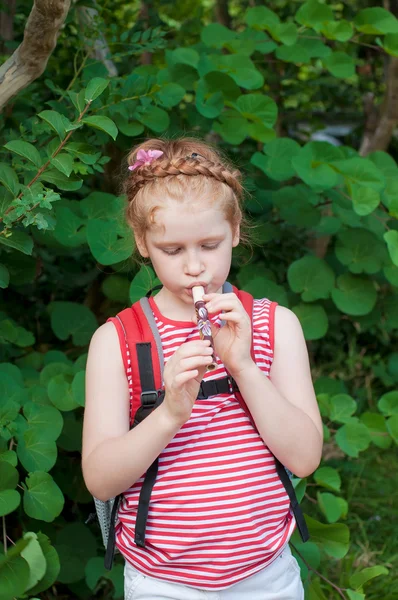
column 194, row 265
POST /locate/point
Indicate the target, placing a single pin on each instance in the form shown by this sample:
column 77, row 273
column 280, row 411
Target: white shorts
column 278, row 581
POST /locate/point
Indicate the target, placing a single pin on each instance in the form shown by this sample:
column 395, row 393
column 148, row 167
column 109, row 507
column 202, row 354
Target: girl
column 219, row 520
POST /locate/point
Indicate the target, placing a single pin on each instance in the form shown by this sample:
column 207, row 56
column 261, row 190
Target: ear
column 141, row 247
column 236, row 237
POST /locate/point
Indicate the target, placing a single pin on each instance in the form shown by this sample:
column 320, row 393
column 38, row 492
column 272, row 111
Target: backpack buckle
column 149, row 397
column 232, row 384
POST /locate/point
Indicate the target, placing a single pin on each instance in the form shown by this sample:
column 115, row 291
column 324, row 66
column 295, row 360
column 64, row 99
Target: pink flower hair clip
column 145, row 158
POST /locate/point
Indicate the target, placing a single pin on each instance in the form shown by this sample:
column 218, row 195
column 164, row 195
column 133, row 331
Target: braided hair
column 188, row 169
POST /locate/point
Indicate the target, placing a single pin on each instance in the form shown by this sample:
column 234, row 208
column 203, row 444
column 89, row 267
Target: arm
column 284, row 407
column 114, row 457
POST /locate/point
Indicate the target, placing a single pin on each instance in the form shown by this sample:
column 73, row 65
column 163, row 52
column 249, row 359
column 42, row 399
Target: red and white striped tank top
column 218, row 512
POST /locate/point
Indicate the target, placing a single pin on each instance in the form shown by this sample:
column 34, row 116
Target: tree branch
column 30, row 59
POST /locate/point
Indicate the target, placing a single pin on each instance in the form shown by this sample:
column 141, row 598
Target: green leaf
column 72, row 319
column 144, row 281
column 342, row 30
column 154, row 118
column 311, row 277
column 61, row 394
column 377, row 426
column 9, row 501
column 315, row 164
column 78, row 387
column 216, row 35
column 296, row 205
column 358, row 580
column 376, row 20
column 36, row 453
column 285, row 33
column 19, row 240
column 360, row 250
column 296, row 54
column 94, row 88
column 77, row 100
column 340, row 64
column 9, row 179
column 63, row 162
column 361, row 171
column 329, row 478
column 4, row 276
column 354, row 295
column 46, row 420
column 70, row 230
column 52, row 565
column 261, row 17
column 209, row 104
column 388, row 403
column 314, row 14
column 9, row 476
column 330, row 506
column 171, row 95
column 57, row 122
column 353, row 438
column 242, row 70
column 257, row 108
column 355, row 595
column 14, row 571
column 34, row 556
column 62, row 182
column 334, row 539
column 232, row 127
column 103, row 124
column 391, row 239
column 25, row 150
column 43, row 500
column 392, row 427
column 390, row 44
column 365, row 200
column 277, row 163
column 85, row 152
column 342, row 408
column 186, row 56
column 106, row 243
column 313, row 319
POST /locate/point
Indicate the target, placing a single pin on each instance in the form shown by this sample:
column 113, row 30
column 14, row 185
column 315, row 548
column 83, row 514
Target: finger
column 219, row 304
column 193, row 348
column 234, row 317
column 182, row 378
column 194, row 363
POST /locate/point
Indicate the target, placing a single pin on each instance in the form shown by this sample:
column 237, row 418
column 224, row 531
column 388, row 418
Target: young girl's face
column 190, row 244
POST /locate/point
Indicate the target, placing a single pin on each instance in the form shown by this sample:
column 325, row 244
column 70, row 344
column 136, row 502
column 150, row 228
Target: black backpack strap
column 295, row 506
column 110, row 549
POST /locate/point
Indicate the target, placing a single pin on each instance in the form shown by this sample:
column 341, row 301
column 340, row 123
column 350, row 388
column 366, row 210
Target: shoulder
column 104, row 346
column 288, row 332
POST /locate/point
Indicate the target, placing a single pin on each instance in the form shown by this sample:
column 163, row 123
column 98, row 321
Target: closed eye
column 204, row 246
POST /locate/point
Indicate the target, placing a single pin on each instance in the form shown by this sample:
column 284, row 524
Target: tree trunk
column 30, row 59
column 6, row 26
column 100, row 50
column 381, row 122
column 222, row 14
column 379, row 129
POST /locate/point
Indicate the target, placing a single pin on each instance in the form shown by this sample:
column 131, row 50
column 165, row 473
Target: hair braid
column 184, row 166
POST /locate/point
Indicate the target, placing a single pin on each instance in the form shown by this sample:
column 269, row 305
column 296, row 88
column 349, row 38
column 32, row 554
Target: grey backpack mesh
column 104, row 512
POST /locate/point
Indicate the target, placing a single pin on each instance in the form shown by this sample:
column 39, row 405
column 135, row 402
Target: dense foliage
column 325, row 245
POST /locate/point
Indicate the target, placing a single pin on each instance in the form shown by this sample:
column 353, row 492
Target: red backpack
column 144, row 364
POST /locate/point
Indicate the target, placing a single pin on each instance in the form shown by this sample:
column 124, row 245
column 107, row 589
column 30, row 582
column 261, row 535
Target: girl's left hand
column 232, row 342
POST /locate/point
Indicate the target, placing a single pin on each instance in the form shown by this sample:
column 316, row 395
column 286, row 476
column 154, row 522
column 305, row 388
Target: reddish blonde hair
column 180, row 176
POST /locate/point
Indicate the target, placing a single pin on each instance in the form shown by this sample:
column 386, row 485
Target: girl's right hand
column 183, row 374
